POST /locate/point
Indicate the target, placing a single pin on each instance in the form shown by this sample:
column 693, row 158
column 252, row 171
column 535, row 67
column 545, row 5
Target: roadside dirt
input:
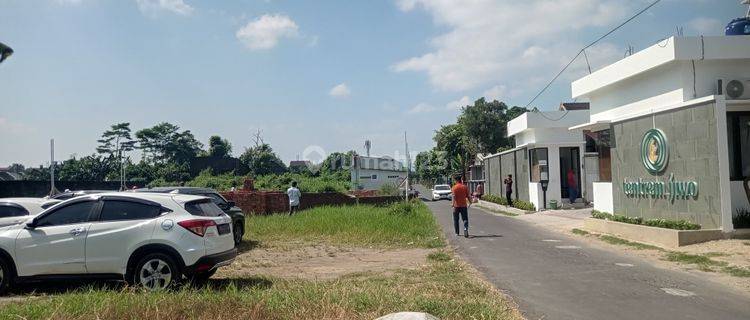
column 322, row 261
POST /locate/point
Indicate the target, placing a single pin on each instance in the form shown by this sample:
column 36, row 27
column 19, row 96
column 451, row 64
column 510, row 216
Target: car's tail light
column 197, row 226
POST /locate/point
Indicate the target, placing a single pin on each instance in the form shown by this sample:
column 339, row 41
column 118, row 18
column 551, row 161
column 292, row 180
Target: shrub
column 524, row 205
column 600, row 215
column 404, row 208
column 672, row 224
column 660, row 223
column 495, row 199
column 388, row 189
column 741, row 218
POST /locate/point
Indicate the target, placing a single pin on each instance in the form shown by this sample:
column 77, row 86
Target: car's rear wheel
column 239, row 232
column 156, row 271
column 5, row 276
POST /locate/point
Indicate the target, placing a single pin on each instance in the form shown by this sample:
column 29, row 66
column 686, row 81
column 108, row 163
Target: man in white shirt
column 294, row 196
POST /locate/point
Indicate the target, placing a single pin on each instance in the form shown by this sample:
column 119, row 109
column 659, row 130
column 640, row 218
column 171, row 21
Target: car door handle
column 77, row 231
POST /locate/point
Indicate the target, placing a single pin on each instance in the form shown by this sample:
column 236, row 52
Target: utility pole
column 408, row 168
column 53, row 191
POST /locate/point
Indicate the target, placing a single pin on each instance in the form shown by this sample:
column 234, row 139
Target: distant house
column 371, row 173
column 299, row 165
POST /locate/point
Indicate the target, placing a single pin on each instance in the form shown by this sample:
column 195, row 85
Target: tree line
column 479, row 128
column 167, row 152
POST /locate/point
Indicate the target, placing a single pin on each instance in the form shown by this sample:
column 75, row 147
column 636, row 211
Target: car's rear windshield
column 442, row 187
column 204, row 208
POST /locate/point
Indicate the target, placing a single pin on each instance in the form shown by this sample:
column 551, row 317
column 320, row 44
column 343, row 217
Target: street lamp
column 5, row 52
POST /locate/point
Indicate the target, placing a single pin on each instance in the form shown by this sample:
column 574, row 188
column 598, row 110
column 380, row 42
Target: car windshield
column 442, row 187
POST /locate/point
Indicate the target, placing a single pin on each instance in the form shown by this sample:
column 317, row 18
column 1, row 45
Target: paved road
column 554, row 276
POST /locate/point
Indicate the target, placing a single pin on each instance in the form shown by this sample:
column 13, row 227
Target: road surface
column 554, row 276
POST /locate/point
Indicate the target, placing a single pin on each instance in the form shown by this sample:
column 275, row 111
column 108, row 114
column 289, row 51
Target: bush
column 388, row 189
column 306, row 183
column 741, row 218
column 404, row 208
column 672, row 224
column 495, row 199
column 660, row 223
column 524, row 205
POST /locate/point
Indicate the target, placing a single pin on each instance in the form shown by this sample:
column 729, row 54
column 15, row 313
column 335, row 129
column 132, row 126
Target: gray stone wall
column 521, row 178
column 693, row 155
column 494, row 182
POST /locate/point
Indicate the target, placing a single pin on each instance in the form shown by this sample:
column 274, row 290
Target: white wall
column 383, row 177
column 603, row 197
column 535, row 195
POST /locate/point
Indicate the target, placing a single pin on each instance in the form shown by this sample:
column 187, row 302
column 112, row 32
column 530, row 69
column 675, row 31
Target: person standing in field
column 508, row 188
column 572, row 186
column 461, row 203
column 294, row 197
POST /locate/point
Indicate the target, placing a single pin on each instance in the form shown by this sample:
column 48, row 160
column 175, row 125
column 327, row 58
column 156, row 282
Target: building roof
column 574, row 106
column 378, row 163
column 664, row 52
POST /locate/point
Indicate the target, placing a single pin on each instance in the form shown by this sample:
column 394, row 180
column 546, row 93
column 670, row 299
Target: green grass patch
column 439, row 256
column 397, row 225
column 445, row 289
column 579, row 232
column 704, row 263
column 736, row 271
column 659, row 223
column 620, row 241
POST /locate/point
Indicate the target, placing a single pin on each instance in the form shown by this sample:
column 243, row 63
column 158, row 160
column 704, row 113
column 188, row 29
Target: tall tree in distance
column 260, row 159
column 165, row 142
column 218, row 147
column 485, row 124
column 115, row 140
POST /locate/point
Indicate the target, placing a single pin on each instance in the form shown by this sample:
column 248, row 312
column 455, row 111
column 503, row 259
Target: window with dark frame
column 538, row 162
column 118, row 210
column 738, row 135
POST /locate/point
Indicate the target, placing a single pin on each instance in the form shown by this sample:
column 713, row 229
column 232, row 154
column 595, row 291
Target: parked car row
column 152, row 239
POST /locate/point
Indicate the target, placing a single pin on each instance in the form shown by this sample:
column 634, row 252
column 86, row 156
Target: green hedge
column 660, row 223
column 520, row 204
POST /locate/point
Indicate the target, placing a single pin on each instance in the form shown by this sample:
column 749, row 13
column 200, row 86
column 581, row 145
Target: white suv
column 151, row 240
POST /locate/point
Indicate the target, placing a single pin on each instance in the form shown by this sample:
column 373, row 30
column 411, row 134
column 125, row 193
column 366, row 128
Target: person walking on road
column 294, row 197
column 461, row 203
column 508, row 188
column 572, row 186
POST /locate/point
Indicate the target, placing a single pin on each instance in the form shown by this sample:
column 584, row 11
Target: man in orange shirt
column 461, row 203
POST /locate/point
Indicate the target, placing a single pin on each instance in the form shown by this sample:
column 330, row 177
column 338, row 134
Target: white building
column 545, row 150
column 676, row 139
column 371, row 173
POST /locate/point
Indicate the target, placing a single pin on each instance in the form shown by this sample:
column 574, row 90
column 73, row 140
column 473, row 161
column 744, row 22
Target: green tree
column 337, row 161
column 485, row 125
column 115, row 140
column 218, row 147
column 261, row 160
column 430, row 166
column 165, row 143
column 88, row 168
column 456, row 146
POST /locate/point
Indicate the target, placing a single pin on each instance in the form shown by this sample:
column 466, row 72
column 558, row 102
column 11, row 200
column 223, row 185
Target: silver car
column 17, row 210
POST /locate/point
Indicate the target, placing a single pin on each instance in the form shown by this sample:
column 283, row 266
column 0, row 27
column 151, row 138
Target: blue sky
column 311, row 75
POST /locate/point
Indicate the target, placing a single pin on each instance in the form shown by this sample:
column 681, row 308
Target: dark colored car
column 238, row 218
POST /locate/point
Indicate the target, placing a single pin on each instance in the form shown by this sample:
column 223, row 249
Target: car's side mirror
column 230, row 204
column 31, row 225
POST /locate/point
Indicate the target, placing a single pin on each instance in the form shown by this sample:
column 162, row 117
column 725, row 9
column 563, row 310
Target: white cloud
column 706, row 26
column 458, row 104
column 154, row 7
column 497, row 92
column 504, row 42
column 340, row 91
column 11, row 127
column 421, row 108
column 265, row 32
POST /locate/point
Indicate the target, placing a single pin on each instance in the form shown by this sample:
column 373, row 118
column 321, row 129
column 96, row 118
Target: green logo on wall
column 654, row 151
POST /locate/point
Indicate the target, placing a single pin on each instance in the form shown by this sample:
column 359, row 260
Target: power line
column 588, row 46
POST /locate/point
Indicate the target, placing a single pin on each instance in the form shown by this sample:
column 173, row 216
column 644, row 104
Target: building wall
column 493, row 176
column 603, row 197
column 500, row 166
column 383, row 177
column 691, row 133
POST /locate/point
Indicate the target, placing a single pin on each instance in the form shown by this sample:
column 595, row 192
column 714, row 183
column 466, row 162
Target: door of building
column 570, row 160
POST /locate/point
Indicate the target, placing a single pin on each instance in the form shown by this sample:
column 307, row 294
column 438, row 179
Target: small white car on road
column 441, row 191
column 18, row 210
column 149, row 240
